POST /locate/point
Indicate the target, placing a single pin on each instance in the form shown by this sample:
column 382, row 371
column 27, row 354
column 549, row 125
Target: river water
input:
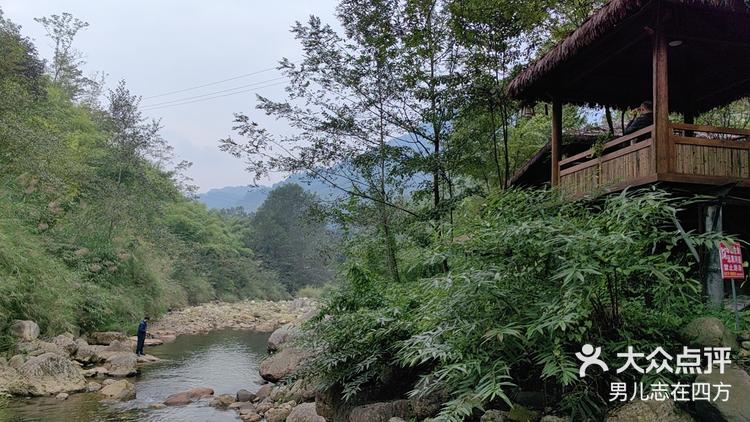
column 223, row 360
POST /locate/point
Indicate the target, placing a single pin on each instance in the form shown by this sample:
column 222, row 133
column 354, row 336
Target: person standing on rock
column 141, row 336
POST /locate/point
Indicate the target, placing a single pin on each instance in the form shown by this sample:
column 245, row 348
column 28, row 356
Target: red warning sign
column 731, row 261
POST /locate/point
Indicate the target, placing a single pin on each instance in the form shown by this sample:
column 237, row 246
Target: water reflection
column 225, row 361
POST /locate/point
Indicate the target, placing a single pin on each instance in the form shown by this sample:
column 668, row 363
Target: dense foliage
column 531, row 279
column 292, row 238
column 95, row 230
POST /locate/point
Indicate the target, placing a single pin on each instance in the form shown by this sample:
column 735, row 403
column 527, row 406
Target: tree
column 291, row 239
column 133, row 140
column 66, row 61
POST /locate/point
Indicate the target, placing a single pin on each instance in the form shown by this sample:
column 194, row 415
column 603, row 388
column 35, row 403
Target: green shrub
column 531, row 280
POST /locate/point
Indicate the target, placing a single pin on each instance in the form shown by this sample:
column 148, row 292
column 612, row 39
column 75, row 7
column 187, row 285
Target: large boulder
column 737, row 408
column 121, row 390
column 87, row 353
column 304, row 412
column 24, row 330
column 278, row 366
column 280, row 413
column 122, row 364
column 649, row 411
column 11, row 381
column 51, row 373
column 381, row 412
column 709, row 332
column 282, row 336
column 67, row 343
column 104, row 338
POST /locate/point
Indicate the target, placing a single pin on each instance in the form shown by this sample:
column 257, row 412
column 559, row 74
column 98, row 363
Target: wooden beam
column 661, row 103
column 556, row 140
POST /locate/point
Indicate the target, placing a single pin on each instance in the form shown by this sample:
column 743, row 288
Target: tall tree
column 291, row 239
column 66, row 60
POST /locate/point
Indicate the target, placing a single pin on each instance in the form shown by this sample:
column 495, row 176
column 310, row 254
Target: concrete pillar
column 714, row 282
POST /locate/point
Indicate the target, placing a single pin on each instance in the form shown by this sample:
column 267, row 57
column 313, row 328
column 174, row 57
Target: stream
column 223, row 360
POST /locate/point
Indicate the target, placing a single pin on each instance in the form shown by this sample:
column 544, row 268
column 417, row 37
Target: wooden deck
column 695, row 154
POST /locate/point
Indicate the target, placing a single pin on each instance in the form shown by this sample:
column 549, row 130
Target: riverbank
column 66, row 364
column 254, row 315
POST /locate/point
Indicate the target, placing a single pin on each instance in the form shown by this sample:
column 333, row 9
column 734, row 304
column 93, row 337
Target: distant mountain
column 251, row 197
column 247, row 197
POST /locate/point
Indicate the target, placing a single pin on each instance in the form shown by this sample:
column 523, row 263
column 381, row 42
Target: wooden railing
column 621, row 160
column 709, row 151
column 697, row 154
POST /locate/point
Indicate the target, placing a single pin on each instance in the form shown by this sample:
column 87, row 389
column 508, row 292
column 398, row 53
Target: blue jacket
column 142, row 328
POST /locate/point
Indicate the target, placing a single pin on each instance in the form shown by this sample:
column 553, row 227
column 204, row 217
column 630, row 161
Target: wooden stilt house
column 687, row 57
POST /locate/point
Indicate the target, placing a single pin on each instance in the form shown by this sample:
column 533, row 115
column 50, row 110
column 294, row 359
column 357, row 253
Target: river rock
column 43, row 347
column 737, row 408
column 649, row 411
column 122, row 390
column 97, row 371
column 16, row 361
column 187, row 397
column 93, row 386
column 122, row 364
column 67, row 343
column 24, row 330
column 280, row 413
column 709, row 332
column 104, row 338
column 62, row 396
column 380, row 412
column 282, row 336
column 244, row 395
column 87, row 353
column 250, row 416
column 278, row 366
column 179, row 399
column 223, row 400
column 51, row 373
column 304, row 412
column 299, row 391
column 11, row 382
column 263, row 392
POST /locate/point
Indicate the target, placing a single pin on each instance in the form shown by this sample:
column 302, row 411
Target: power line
column 215, row 92
column 211, row 98
column 257, row 72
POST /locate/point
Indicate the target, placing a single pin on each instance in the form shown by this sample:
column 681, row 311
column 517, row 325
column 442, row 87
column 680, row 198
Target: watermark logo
column 690, row 361
column 590, row 356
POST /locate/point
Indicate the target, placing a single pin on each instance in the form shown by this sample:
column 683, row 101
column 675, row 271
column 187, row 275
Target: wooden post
column 714, row 282
column 661, row 103
column 556, row 141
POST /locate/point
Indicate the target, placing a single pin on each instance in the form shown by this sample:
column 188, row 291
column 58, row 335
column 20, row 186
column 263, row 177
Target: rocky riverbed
column 103, row 361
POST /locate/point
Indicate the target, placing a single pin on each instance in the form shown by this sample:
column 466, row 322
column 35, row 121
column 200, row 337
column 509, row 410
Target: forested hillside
column 467, row 291
column 96, row 229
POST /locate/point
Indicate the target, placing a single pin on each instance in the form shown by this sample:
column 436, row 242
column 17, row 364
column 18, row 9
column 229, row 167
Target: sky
column 162, row 46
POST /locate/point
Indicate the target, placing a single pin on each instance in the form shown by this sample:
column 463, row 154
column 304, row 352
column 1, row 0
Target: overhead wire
column 257, row 72
column 215, row 92
column 211, row 98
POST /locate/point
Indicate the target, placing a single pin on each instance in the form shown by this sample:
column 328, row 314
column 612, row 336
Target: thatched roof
column 610, row 28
